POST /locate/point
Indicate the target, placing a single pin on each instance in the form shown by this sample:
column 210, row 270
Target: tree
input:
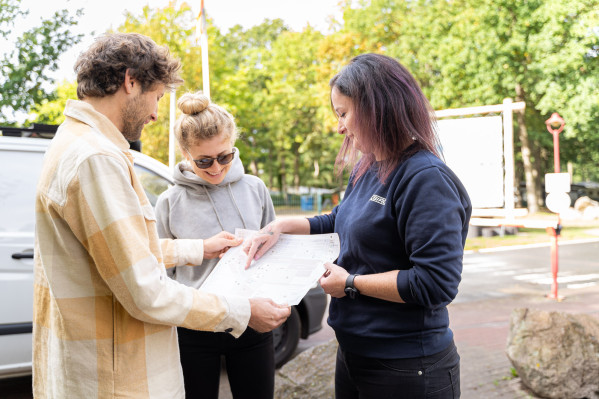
column 50, row 111
column 462, row 52
column 301, row 139
column 475, row 52
column 537, row 52
column 24, row 81
column 242, row 88
column 173, row 27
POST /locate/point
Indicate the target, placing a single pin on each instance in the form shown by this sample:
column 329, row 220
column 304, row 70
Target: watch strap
column 349, row 282
column 350, row 289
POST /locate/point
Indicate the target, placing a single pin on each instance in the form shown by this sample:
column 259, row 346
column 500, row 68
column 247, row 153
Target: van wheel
column 286, row 338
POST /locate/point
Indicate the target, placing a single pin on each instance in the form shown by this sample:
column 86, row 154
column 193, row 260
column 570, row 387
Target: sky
column 101, row 15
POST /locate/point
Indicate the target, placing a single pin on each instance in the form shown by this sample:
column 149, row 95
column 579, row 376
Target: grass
column 529, row 236
column 572, row 229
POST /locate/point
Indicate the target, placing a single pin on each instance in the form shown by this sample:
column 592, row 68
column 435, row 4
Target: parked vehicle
column 20, row 165
column 584, row 189
column 580, row 189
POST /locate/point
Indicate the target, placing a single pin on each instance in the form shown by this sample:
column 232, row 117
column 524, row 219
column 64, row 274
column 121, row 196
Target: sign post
column 557, row 185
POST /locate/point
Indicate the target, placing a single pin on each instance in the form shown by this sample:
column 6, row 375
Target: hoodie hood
column 185, row 176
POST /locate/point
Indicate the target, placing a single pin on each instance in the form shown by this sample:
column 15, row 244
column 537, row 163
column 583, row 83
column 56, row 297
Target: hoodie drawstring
column 216, row 212
column 214, row 207
column 236, row 207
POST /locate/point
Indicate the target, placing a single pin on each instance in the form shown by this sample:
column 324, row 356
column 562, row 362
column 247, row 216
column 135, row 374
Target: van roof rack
column 44, row 131
column 39, row 130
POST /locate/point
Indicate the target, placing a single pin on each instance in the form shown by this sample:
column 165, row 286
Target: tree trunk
column 254, row 167
column 538, row 166
column 531, row 192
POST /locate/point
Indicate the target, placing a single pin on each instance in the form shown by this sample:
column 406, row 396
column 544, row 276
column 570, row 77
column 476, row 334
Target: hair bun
column 193, row 103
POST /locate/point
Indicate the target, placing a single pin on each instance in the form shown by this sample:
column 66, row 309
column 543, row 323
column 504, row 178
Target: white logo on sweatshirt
column 378, row 199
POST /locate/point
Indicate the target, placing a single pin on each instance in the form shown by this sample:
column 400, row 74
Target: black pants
column 249, row 360
column 436, row 376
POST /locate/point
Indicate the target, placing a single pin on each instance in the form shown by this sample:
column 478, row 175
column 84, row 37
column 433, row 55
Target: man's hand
column 267, row 315
column 218, row 244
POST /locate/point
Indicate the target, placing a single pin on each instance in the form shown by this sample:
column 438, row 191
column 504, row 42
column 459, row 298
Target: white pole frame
column 172, row 160
column 507, row 108
column 204, row 48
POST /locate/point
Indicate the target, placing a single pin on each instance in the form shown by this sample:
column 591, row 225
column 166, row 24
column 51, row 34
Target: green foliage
column 51, row 111
column 475, row 52
column 24, row 80
column 463, row 52
column 266, row 76
column 513, row 372
column 9, row 12
column 174, row 28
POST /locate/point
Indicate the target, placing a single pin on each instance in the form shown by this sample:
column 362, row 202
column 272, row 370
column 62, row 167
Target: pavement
column 481, row 329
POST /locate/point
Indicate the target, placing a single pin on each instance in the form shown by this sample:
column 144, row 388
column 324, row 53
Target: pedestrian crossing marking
column 476, row 265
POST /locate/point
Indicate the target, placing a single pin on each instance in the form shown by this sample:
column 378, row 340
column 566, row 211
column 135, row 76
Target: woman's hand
column 218, row 244
column 333, row 280
column 262, row 241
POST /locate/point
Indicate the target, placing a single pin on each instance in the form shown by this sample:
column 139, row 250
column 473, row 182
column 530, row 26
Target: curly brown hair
column 101, row 69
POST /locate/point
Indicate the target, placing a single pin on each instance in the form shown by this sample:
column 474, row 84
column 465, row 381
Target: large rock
column 555, row 354
column 311, row 374
column 587, row 207
column 583, row 203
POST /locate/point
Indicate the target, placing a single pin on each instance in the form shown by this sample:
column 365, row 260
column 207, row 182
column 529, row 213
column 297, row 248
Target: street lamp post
column 555, row 125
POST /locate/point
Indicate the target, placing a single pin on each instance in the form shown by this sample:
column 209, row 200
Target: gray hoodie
column 194, row 208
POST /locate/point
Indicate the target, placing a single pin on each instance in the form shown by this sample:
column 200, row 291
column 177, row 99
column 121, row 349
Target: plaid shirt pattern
column 104, row 308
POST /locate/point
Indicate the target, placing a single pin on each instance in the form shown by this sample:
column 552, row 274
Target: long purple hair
column 394, row 117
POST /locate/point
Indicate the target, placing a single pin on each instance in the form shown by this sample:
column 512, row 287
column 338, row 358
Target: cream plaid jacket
column 104, row 309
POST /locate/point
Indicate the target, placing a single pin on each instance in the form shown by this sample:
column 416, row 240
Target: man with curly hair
column 104, row 309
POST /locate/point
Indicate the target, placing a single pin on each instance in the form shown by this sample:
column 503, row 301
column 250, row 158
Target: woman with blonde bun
column 213, row 194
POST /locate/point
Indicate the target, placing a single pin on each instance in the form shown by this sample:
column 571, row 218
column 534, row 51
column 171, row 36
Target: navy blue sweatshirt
column 416, row 222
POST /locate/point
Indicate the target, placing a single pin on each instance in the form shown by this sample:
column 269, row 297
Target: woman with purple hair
column 402, row 225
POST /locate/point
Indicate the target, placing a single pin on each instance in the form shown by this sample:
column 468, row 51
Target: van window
column 153, row 184
column 19, row 173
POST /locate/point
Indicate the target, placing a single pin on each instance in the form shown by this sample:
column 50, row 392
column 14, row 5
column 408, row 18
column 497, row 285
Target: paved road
column 504, row 272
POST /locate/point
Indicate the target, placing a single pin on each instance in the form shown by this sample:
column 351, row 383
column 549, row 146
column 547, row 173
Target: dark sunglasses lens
column 225, row 159
column 205, row 163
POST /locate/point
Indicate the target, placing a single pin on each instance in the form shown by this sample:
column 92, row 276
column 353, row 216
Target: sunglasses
column 205, row 163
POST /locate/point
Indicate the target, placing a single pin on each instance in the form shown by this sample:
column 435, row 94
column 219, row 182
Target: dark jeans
column 436, row 376
column 249, row 360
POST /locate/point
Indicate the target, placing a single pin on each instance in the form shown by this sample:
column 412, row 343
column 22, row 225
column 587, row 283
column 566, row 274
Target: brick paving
column 481, row 330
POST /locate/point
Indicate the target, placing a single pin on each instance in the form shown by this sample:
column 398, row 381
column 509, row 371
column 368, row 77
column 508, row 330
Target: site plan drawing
column 285, row 273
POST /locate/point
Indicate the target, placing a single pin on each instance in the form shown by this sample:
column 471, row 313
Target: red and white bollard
column 554, row 232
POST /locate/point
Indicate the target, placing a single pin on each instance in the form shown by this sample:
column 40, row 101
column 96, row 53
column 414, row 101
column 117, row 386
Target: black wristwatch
column 350, row 290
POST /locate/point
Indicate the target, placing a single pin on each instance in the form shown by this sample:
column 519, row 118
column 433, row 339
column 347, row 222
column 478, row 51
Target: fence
column 304, row 204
